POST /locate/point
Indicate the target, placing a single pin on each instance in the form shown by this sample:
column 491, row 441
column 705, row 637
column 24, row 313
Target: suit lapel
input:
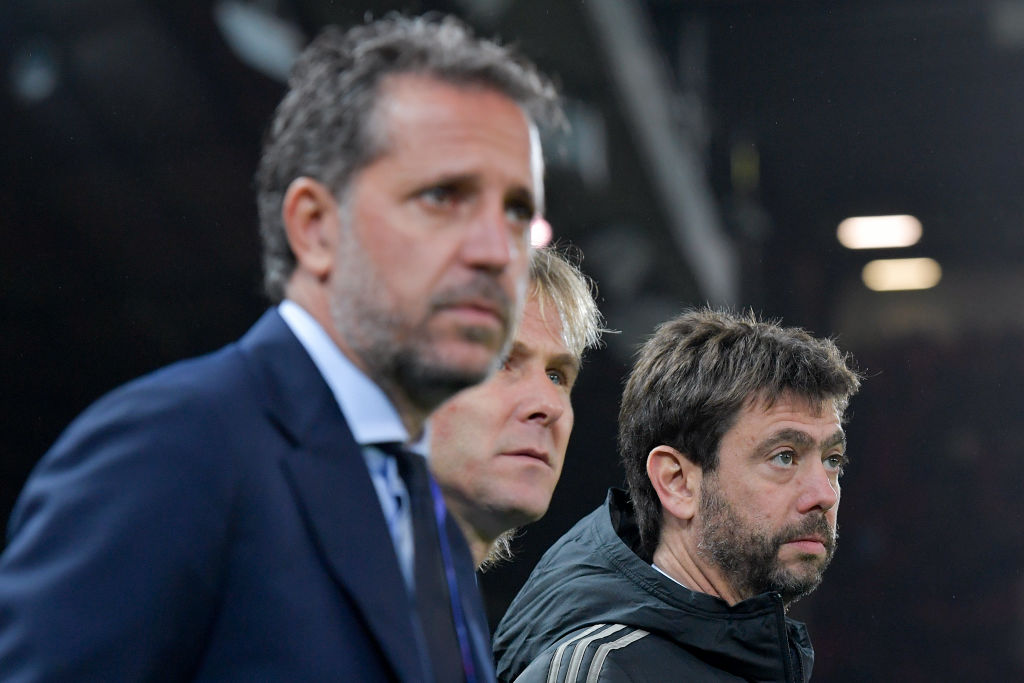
column 344, row 517
column 328, row 476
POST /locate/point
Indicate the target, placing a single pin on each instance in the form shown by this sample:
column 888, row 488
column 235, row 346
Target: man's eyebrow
column 560, row 360
column 801, row 439
column 468, row 180
column 453, row 178
column 518, row 348
column 565, row 359
column 521, row 194
column 837, row 439
column 566, row 362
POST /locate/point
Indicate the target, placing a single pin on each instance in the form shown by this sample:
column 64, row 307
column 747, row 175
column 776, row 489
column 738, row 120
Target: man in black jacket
column 730, row 431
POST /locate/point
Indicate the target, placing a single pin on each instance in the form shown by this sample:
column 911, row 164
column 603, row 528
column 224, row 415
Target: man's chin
column 804, row 566
column 469, row 354
column 432, row 378
column 490, row 336
column 520, row 513
column 799, row 579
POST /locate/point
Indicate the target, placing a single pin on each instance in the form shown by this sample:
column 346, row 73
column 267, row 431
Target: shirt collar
column 666, row 574
column 370, row 415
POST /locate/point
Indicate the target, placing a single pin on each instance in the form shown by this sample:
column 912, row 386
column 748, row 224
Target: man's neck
column 413, row 418
column 313, row 299
column 679, row 561
column 479, row 544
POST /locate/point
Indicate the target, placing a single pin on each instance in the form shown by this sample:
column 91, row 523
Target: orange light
column 888, row 275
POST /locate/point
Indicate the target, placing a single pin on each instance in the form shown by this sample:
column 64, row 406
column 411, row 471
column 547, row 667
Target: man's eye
column 442, row 195
column 836, row 462
column 556, row 377
column 520, row 212
column 785, row 458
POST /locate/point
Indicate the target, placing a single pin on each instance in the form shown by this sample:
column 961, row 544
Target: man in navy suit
column 259, row 514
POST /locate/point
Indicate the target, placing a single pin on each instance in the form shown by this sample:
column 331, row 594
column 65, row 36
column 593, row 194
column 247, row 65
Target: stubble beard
column 749, row 557
column 399, row 355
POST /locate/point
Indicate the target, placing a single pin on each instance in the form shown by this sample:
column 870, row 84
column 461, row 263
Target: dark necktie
column 432, row 598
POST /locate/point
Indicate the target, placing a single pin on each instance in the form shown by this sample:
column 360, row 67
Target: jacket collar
column 592, row 575
column 755, row 635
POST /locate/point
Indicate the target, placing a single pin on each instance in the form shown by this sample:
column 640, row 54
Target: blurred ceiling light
column 540, row 232
column 888, row 275
column 260, row 39
column 34, row 71
column 877, row 232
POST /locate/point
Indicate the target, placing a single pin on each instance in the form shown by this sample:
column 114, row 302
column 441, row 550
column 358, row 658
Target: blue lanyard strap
column 461, row 630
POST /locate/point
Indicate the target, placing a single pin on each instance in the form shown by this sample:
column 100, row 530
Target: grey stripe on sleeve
column 597, row 663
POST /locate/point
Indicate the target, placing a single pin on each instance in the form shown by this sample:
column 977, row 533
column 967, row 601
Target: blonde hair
column 556, row 277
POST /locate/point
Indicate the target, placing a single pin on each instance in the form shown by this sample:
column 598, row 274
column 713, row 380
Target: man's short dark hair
column 323, row 128
column 695, row 374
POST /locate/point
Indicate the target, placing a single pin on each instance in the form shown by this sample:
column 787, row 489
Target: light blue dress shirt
column 372, row 420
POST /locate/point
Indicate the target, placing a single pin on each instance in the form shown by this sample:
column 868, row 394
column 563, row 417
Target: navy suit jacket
column 213, row 521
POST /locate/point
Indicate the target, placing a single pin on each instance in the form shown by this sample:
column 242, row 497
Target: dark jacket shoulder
column 591, row 594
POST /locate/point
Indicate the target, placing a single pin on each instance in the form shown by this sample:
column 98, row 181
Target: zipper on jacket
column 789, row 666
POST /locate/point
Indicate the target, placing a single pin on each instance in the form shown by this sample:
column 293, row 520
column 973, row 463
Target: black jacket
column 593, row 609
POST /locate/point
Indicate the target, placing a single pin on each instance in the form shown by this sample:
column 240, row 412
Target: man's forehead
column 792, row 419
column 762, row 403
column 486, row 128
column 422, row 97
column 541, row 331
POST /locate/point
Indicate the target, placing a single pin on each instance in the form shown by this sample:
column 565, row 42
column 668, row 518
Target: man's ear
column 311, row 221
column 676, row 480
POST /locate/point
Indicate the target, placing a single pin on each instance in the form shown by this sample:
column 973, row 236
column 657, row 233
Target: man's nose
column 542, row 400
column 493, row 239
column 819, row 490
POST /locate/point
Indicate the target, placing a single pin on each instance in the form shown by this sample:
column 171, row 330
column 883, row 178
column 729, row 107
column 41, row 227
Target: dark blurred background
column 715, row 148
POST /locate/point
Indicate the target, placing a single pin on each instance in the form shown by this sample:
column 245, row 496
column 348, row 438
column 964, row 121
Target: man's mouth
column 482, row 300
column 531, row 453
column 809, row 544
column 485, row 310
